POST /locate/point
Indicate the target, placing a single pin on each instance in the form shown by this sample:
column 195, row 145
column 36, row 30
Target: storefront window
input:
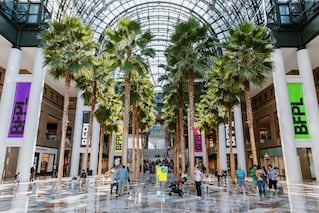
column 264, row 129
column 52, row 127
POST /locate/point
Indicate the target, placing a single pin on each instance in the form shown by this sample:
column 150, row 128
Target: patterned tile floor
column 147, row 196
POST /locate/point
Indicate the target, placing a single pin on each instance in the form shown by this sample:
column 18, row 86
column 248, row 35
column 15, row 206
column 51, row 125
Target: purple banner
column 197, row 141
column 19, row 110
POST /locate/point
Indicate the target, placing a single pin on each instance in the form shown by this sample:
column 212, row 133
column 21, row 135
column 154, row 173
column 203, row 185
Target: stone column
column 26, row 154
column 7, row 97
column 76, row 145
column 222, row 148
column 311, row 102
column 241, row 156
column 285, row 120
column 94, row 150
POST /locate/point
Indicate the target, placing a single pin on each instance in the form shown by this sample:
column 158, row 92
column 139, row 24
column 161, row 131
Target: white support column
column 285, row 121
column 7, row 96
column 94, row 150
column 26, row 154
column 222, row 148
column 311, row 102
column 75, row 159
column 241, row 156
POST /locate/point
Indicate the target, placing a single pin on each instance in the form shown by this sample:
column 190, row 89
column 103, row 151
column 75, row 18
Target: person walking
column 261, row 176
column 122, row 177
column 240, row 175
column 31, row 174
column 272, row 179
column 114, row 182
column 198, row 179
column 254, row 177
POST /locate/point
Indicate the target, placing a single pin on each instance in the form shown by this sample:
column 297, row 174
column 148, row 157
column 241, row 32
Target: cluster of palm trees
column 193, row 54
column 113, row 76
column 110, row 75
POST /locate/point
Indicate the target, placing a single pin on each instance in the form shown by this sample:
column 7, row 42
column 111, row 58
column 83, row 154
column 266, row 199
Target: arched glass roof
column 160, row 17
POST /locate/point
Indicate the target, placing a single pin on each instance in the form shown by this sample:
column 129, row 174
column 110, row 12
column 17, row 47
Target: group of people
column 264, row 179
column 119, row 178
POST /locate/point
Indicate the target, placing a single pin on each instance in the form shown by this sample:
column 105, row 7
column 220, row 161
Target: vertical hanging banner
column 197, row 140
column 19, row 110
column 233, row 132
column 298, row 111
column 118, row 141
column 85, row 127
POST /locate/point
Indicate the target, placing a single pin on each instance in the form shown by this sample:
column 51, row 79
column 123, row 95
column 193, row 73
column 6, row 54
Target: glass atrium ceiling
column 160, row 17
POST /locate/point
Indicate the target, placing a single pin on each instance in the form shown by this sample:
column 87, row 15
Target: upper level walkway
column 149, row 196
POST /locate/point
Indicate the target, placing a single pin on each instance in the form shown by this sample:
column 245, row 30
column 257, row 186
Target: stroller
column 174, row 189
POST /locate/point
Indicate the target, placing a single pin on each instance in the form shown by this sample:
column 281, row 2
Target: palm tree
column 143, row 110
column 89, row 82
column 225, row 92
column 249, row 48
column 173, row 96
column 170, row 117
column 207, row 115
column 105, row 116
column 192, row 52
column 108, row 112
column 146, row 118
column 68, row 49
column 148, row 115
column 127, row 48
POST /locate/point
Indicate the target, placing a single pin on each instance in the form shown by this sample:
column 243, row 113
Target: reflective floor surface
column 149, row 196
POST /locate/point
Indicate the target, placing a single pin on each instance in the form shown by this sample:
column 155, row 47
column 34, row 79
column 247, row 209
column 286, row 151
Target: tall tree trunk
column 218, row 150
column 181, row 126
column 138, row 165
column 134, row 118
column 230, row 136
column 176, row 147
column 250, row 122
column 126, row 116
column 143, row 147
column 191, row 124
column 67, row 82
column 85, row 165
column 207, row 149
column 99, row 171
column 110, row 145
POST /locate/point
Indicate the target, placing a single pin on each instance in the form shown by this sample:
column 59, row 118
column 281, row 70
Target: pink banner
column 197, row 141
column 19, row 110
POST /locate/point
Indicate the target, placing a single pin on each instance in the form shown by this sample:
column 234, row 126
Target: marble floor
column 149, row 196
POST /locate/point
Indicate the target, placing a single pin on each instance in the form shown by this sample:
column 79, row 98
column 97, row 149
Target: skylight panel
column 161, row 17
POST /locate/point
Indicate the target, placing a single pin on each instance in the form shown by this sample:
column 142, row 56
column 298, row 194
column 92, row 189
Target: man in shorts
column 240, row 175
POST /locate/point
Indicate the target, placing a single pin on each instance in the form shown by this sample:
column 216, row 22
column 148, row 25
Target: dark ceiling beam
column 310, row 30
column 8, row 29
column 295, row 37
column 27, row 37
column 285, row 38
